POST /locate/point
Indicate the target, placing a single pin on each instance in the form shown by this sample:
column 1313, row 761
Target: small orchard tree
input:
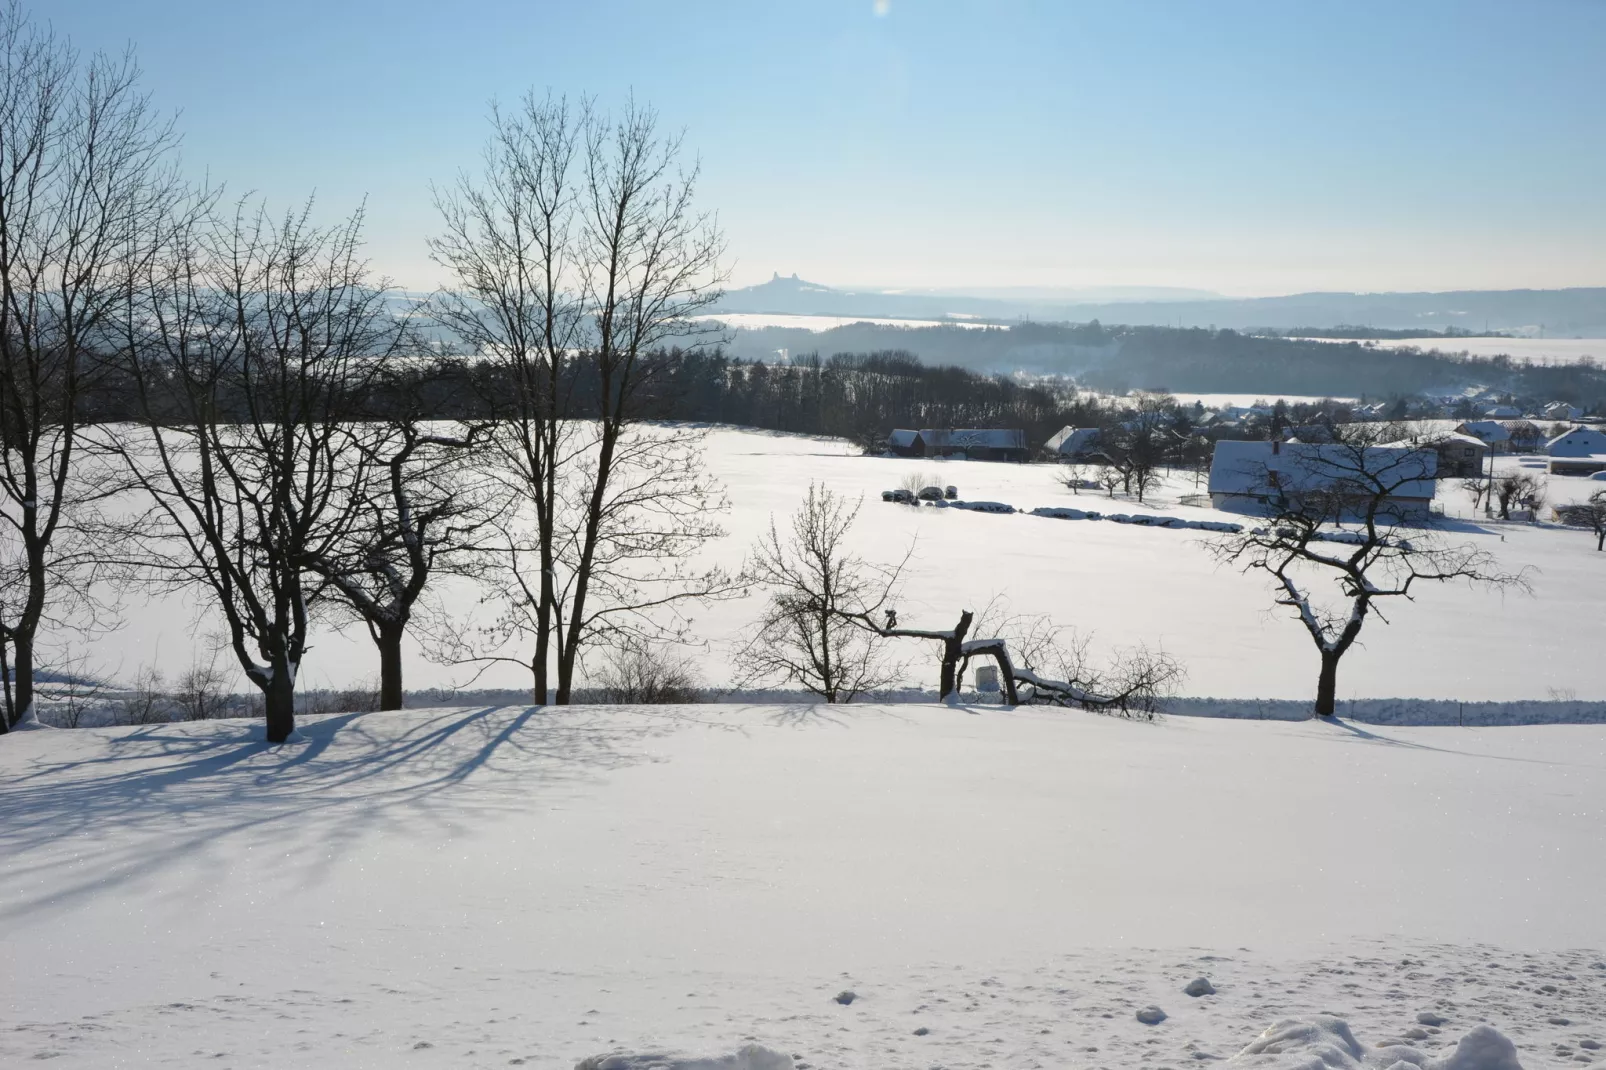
column 1133, row 683
column 1590, row 514
column 1385, row 554
column 419, row 515
column 1517, row 488
column 811, row 633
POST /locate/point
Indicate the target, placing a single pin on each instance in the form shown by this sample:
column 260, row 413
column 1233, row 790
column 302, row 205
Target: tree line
column 1117, row 359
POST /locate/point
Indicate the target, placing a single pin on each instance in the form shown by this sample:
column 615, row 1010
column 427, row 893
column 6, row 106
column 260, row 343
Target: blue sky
column 1249, row 148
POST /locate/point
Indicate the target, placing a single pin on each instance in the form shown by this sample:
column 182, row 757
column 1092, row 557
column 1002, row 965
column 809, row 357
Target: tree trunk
column 5, row 678
column 22, row 671
column 543, row 646
column 389, row 641
column 1327, row 684
column 280, row 695
column 952, row 651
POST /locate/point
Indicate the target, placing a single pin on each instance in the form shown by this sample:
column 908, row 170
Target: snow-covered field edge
column 1416, row 712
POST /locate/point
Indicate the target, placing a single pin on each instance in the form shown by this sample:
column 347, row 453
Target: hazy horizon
column 1248, row 149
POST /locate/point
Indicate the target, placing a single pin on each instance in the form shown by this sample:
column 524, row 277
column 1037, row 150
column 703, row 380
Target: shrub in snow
column 1064, row 513
column 1200, row 986
column 751, row 1057
column 845, row 997
column 1326, row 1043
column 1151, row 1015
column 983, row 507
column 930, row 494
column 950, row 492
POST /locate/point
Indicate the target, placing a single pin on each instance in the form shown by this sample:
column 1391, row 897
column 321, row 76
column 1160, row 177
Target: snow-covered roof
column 973, row 438
column 902, row 438
column 1502, row 412
column 1455, row 437
column 1579, row 442
column 1487, row 430
column 1069, row 440
column 1263, row 468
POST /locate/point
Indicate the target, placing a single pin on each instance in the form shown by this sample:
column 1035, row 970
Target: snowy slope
column 466, row 888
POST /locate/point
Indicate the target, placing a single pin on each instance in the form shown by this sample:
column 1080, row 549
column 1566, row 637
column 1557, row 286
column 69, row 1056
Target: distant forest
column 1195, row 360
column 861, row 396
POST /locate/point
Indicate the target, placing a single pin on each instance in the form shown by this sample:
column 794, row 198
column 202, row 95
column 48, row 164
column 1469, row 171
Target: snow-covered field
column 1536, row 350
column 1123, row 583
column 479, row 888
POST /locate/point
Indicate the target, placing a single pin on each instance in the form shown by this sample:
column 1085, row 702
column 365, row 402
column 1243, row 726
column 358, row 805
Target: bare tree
column 146, row 702
column 510, row 242
column 810, row 633
column 1138, row 445
column 254, row 344
column 199, row 691
column 650, row 264
column 1382, row 555
column 70, row 689
column 84, row 171
column 1590, row 514
column 580, row 258
column 1053, row 664
column 419, row 515
column 1517, row 488
column 639, row 674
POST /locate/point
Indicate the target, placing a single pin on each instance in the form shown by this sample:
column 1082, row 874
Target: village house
column 1260, row 477
column 1460, row 456
column 1579, row 452
column 964, row 443
column 1505, row 436
column 904, row 443
column 1072, row 443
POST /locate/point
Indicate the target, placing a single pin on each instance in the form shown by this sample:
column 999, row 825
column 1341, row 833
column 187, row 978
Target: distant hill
column 1559, row 313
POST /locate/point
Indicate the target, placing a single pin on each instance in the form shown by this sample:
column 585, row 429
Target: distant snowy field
column 1537, row 350
column 1123, row 583
column 459, row 889
column 757, row 320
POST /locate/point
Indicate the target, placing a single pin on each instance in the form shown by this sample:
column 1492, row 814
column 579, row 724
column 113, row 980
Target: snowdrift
column 1323, row 1042
column 752, row 1057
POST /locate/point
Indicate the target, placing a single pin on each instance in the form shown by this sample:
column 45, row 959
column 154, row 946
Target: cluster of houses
column 1248, row 475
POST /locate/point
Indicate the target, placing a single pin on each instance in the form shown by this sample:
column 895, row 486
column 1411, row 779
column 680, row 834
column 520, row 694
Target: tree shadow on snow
column 1352, row 731
column 143, row 801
